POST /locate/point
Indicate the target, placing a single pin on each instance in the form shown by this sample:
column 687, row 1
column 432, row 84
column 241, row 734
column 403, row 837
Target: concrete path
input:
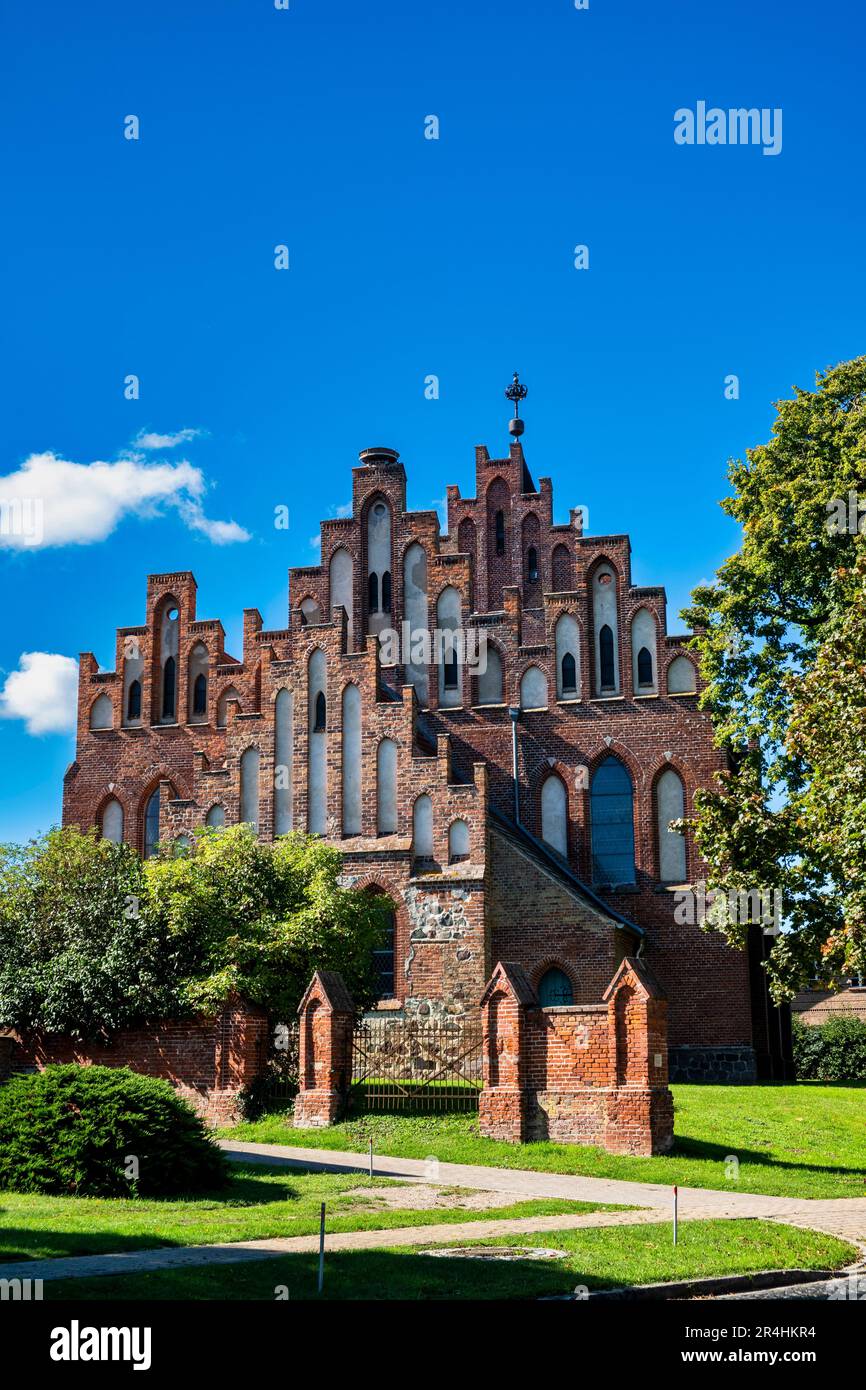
column 845, row 1217
column 842, row 1216
column 175, row 1257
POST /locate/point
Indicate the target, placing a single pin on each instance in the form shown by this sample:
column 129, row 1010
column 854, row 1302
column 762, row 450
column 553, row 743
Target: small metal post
column 322, row 1248
column 371, row 1157
column 675, row 1215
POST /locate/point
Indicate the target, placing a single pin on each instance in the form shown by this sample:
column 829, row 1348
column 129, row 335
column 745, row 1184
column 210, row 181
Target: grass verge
column 603, row 1257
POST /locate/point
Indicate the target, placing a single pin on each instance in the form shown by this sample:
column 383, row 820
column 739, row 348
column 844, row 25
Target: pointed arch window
column 383, row 955
column 321, row 714
column 169, row 688
column 532, row 564
column 151, row 825
column 199, row 695
column 645, row 669
column 133, row 701
column 606, row 662
column 569, row 674
column 611, row 808
column 450, row 667
column 373, row 593
column 386, row 592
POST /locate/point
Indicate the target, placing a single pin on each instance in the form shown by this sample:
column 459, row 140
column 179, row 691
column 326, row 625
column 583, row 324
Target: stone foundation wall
column 712, row 1064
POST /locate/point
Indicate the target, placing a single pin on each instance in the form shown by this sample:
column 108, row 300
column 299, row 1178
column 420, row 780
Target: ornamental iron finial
column 516, row 392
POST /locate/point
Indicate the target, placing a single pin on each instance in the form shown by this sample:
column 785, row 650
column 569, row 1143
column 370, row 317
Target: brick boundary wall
column 585, row 1074
column 208, row 1061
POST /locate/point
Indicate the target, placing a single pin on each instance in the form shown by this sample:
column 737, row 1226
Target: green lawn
column 259, row 1203
column 597, row 1258
column 805, row 1140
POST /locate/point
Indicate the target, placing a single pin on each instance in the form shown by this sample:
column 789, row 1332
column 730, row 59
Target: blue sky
column 408, row 257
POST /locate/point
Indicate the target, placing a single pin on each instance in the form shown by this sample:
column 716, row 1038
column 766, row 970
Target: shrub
column 75, row 1130
column 831, row 1051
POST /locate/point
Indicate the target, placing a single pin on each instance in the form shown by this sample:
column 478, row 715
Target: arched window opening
column 133, row 702
column 569, row 674
column 112, row 821
column 151, row 825
column 199, row 695
column 101, row 713
column 607, row 667
column 250, row 762
column 386, row 787
column 611, row 805
column 458, row 842
column 373, row 593
column 450, row 666
column 499, row 524
column 383, row 954
column 490, row 679
column 216, row 817
column 682, row 679
column 555, row 989
column 554, row 815
column 532, row 564
column 321, row 713
column 223, row 704
column 386, row 592
column 670, row 805
column 645, row 669
column 533, row 689
column 422, row 828
column 169, row 689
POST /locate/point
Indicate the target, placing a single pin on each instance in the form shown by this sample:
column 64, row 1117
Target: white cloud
column 147, row 439
column 316, row 542
column 50, row 501
column 43, row 692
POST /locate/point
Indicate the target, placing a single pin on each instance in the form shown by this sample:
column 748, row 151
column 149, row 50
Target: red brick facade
column 208, row 1060
column 515, row 574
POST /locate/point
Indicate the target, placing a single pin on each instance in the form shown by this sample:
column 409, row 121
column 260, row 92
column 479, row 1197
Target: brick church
column 514, row 808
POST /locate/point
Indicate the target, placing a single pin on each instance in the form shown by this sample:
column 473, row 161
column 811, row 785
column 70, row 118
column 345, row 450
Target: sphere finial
column 516, row 392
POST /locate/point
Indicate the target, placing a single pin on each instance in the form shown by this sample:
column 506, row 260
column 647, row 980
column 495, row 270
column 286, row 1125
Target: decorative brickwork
column 253, row 750
column 209, row 1061
column 326, row 1015
column 586, row 1074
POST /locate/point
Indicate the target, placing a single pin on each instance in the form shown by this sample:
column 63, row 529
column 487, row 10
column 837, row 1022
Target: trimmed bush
column 103, row 1132
column 831, row 1051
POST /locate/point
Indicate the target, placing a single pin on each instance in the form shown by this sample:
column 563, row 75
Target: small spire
column 516, row 392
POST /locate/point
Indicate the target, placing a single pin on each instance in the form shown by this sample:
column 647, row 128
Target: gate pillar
column 326, row 1015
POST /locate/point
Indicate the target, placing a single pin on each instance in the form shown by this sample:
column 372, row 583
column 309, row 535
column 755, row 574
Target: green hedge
column 103, row 1132
column 831, row 1051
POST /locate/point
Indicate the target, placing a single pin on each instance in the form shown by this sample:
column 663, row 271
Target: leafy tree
column 78, row 954
column 259, row 919
column 782, row 640
column 93, row 940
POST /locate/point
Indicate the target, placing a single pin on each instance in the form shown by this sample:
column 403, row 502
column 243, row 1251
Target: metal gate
column 416, row 1064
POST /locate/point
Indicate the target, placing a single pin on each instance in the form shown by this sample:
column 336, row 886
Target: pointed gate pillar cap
column 512, row 977
column 332, row 988
column 637, row 973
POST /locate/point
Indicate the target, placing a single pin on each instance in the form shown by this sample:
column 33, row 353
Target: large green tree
column 782, row 639
column 77, row 953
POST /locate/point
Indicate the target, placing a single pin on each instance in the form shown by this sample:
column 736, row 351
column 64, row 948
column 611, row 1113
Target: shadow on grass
column 704, row 1151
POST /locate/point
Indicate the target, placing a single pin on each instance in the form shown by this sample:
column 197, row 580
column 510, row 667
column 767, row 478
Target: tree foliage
column 93, row 940
column 782, row 639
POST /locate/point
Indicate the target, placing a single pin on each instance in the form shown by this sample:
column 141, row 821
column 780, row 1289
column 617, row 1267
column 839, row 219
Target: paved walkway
column 842, row 1216
column 845, row 1216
